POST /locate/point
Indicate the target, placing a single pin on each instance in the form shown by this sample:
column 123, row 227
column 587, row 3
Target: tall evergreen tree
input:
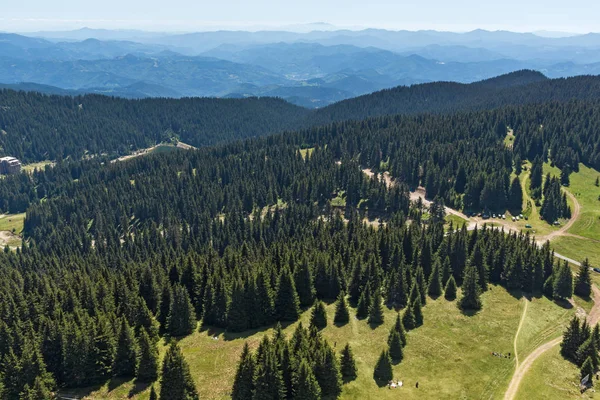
column 287, row 305
column 182, row 318
column 395, row 345
column 147, row 370
column 243, row 384
column 450, row 290
column 563, row 283
column 268, row 380
column 364, row 304
column 327, row 372
column 572, row 339
column 470, row 290
column 347, row 364
column 237, row 316
column 305, row 287
column 434, row 289
column 176, row 382
column 305, row 386
column 376, row 310
column 515, row 196
column 383, row 369
column 583, row 281
column 126, row 359
column 318, row 317
column 342, row 314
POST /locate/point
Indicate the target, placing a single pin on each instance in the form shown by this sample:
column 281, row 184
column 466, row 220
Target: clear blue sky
column 190, row 15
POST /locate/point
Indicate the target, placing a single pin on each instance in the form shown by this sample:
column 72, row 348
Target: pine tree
column 318, row 316
column 103, row 352
column 395, row 344
column 327, row 372
column 287, row 305
column 563, row 283
column 587, row 369
column 398, row 327
column 268, row 380
column 376, row 310
column 583, row 282
column 243, row 385
column 342, row 314
column 182, row 315
column 347, row 364
column 515, row 196
column 39, row 391
column 237, row 317
column 450, row 290
column 434, row 289
column 164, row 307
column 305, row 386
column 587, row 350
column 126, row 358
column 383, row 369
column 147, row 370
column 417, row 312
column 305, row 287
column 176, row 382
column 572, row 339
column 470, row 291
column 364, row 304
column 408, row 319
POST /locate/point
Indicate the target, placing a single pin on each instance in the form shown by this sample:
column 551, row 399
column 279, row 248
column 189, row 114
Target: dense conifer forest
column 36, row 127
column 244, row 235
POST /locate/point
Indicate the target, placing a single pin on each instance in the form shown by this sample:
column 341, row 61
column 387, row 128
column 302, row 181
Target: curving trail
column 519, row 330
column 593, row 318
column 563, row 229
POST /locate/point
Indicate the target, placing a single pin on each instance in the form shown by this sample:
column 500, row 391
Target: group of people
column 394, row 385
column 501, row 355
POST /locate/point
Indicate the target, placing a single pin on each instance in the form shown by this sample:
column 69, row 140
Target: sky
column 579, row 16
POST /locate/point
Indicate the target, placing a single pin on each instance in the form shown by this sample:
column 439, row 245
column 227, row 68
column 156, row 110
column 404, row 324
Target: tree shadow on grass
column 380, row 382
column 138, row 387
column 563, row 303
column 116, row 382
column 79, row 392
column 469, row 313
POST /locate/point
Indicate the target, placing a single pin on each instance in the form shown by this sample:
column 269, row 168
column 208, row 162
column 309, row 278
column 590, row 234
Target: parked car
column 528, row 226
column 597, row 270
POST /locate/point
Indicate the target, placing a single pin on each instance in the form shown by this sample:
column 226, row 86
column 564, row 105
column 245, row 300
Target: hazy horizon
column 575, row 17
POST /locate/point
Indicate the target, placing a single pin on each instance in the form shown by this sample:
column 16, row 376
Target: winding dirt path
column 520, row 371
column 523, row 314
column 563, row 229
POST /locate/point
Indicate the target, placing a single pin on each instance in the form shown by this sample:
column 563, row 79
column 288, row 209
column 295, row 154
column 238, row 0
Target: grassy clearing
column 457, row 221
column 12, row 222
column 587, row 194
column 544, row 321
column 450, row 355
column 163, row 148
column 38, row 165
column 552, row 378
column 306, row 152
column 578, row 249
column 339, row 200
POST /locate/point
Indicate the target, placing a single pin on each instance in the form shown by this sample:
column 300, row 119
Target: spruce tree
column 563, row 283
column 587, row 350
column 572, row 339
column 305, row 287
column 342, row 314
column 305, row 385
column 398, row 327
column 347, row 364
column 450, row 290
column 376, row 310
column 287, row 305
column 395, row 344
column 237, row 317
column 176, row 382
column 588, row 369
column 268, row 380
column 243, row 384
column 364, row 304
column 434, row 289
column 126, row 358
column 583, row 281
column 318, row 317
column 327, row 372
column 515, row 196
column 417, row 312
column 182, row 315
column 103, row 352
column 408, row 319
column 470, row 291
column 383, row 372
column 147, row 370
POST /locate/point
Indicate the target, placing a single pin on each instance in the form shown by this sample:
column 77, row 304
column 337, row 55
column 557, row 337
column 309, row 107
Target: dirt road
column 593, row 318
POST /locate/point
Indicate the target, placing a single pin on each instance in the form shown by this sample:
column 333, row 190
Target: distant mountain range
column 312, row 69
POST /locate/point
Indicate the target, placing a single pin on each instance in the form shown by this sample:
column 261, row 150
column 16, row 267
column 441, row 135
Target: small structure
column 9, row 165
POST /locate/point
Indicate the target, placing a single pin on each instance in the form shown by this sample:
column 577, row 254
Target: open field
column 450, row 355
column 38, row 165
column 11, row 226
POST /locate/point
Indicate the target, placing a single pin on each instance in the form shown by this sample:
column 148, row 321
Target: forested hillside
column 38, row 127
